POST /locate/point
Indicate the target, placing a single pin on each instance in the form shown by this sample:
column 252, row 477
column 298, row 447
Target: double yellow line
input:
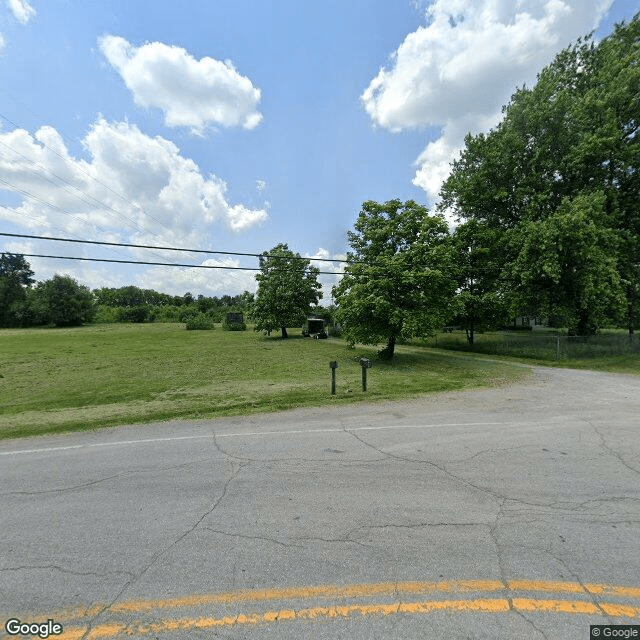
column 510, row 595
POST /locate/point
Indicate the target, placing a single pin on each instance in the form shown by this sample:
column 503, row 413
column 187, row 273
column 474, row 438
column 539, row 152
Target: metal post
column 365, row 364
column 334, row 365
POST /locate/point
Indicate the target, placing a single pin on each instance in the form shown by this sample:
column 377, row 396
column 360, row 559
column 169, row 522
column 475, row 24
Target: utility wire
column 145, row 246
column 162, row 264
column 167, row 264
column 93, row 224
column 92, row 177
column 473, row 269
column 28, row 194
column 105, row 206
column 172, row 264
column 80, row 193
column 77, row 192
column 100, row 204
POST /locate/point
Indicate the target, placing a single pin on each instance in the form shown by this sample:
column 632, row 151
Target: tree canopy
column 399, row 278
column 59, row 301
column 16, row 277
column 287, row 289
column 555, row 186
column 479, row 304
column 62, row 302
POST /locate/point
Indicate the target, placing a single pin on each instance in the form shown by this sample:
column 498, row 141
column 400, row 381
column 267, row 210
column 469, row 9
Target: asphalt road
column 503, row 513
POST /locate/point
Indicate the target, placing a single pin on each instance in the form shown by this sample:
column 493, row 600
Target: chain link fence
column 546, row 346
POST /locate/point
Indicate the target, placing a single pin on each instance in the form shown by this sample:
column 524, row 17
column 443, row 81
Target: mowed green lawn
column 74, row 379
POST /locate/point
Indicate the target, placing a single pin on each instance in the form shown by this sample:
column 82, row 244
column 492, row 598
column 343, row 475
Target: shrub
column 168, row 313
column 335, row 331
column 139, row 313
column 199, row 321
column 105, row 314
column 234, row 326
column 190, row 311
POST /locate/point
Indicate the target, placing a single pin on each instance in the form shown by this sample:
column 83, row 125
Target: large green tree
column 16, row 277
column 479, row 303
column 561, row 171
column 609, row 148
column 566, row 266
column 63, row 302
column 287, row 289
column 399, row 281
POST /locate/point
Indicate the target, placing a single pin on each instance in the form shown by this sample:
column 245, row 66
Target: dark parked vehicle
column 315, row 328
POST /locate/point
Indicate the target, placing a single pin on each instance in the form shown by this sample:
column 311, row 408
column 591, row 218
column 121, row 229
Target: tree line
column 61, row 301
column 132, row 304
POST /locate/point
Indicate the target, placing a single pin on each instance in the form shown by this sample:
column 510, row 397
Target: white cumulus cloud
column 191, row 93
column 22, row 10
column 131, row 188
column 458, row 70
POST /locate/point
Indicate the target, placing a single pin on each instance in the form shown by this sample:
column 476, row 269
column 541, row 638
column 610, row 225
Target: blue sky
column 235, row 125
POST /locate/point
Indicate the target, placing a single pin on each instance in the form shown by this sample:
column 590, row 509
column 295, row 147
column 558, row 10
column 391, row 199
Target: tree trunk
column 585, row 325
column 284, row 333
column 388, row 351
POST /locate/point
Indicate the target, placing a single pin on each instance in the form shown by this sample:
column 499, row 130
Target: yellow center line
column 395, row 590
column 307, row 593
column 556, row 606
column 392, row 589
column 545, row 585
column 497, row 605
column 613, row 590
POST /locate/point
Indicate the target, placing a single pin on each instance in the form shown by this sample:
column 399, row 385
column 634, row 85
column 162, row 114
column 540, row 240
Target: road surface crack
column 63, row 489
column 92, row 483
column 503, row 577
column 248, row 537
column 576, row 578
column 610, row 450
column 161, row 553
column 467, row 483
column 419, row 525
column 55, row 567
column 345, row 540
column 216, row 444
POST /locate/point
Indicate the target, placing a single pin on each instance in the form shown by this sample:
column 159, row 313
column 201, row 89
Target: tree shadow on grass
column 279, row 338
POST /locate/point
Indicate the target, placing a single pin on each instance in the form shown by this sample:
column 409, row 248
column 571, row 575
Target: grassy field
column 54, row 380
column 611, row 350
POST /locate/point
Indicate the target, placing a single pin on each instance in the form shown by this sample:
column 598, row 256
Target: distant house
column 528, row 321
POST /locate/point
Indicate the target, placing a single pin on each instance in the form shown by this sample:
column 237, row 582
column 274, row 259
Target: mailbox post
column 334, row 365
column 365, row 363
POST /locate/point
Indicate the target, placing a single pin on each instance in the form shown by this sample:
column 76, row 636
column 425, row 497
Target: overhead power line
column 93, row 224
column 77, row 192
column 161, row 264
column 83, row 196
column 91, row 177
column 145, row 246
